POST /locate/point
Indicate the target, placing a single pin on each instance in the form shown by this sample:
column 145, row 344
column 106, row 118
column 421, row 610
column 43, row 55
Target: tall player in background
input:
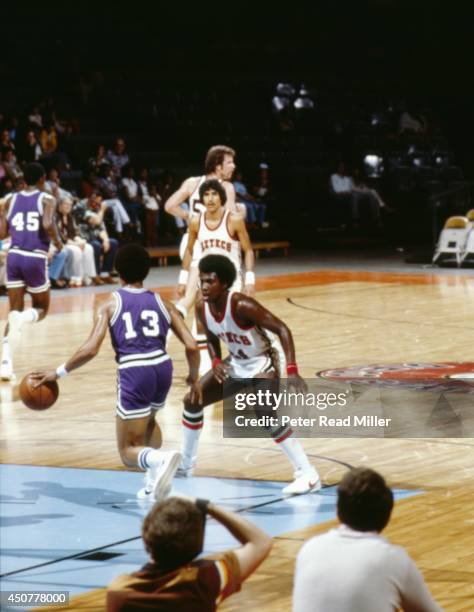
column 138, row 321
column 219, row 164
column 243, row 325
column 29, row 217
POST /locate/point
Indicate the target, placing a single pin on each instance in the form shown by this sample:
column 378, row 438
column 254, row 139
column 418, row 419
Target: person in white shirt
column 351, row 195
column 353, row 568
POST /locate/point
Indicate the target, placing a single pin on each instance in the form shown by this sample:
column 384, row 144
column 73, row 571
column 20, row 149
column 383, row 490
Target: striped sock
column 192, row 427
column 148, row 457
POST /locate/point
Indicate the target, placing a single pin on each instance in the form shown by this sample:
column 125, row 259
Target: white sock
column 30, row 315
column 295, row 453
column 191, row 431
column 6, row 353
column 149, row 457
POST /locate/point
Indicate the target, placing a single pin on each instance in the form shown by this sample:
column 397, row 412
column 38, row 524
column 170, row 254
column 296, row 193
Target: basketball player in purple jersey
column 138, row 321
column 28, row 216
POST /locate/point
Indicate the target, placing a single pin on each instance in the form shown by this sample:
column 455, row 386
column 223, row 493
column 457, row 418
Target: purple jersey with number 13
column 139, row 324
column 25, row 222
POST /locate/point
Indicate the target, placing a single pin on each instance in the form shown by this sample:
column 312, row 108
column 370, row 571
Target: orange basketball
column 38, row 398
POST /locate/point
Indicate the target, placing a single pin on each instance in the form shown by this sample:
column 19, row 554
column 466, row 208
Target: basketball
column 38, row 398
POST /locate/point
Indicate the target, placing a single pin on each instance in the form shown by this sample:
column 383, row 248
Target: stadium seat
column 453, row 238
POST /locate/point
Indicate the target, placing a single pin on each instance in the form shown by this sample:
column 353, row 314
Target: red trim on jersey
column 234, row 317
column 218, row 319
column 284, row 436
column 189, row 426
column 231, row 235
column 214, row 229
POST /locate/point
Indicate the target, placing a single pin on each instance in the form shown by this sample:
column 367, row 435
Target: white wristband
column 61, row 371
column 183, row 277
column 250, row 278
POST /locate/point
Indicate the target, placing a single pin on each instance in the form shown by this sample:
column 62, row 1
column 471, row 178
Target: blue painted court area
column 51, row 514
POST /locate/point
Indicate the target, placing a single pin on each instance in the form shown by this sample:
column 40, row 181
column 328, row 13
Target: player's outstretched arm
column 49, row 221
column 86, row 352
column 219, row 368
column 173, row 203
column 183, row 334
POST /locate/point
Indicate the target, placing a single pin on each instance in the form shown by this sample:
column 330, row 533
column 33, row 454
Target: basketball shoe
column 304, row 482
column 162, row 474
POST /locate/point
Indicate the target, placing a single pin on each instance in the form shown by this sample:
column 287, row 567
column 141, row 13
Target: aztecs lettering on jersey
column 215, row 243
column 231, row 338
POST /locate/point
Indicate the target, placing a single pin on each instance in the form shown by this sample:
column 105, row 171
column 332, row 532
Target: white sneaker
column 14, row 325
column 6, row 370
column 185, row 471
column 146, row 492
column 307, row 482
column 163, row 474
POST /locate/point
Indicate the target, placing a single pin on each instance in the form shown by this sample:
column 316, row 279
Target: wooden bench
column 162, row 253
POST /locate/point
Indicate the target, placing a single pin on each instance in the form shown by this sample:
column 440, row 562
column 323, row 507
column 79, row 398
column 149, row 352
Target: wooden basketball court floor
column 339, row 317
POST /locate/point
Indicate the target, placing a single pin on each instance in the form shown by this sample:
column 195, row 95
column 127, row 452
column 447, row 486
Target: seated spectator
column 353, row 568
column 255, row 209
column 263, row 190
column 107, row 185
column 6, row 141
column 99, row 159
column 412, row 122
column 82, row 268
column 53, row 186
column 31, row 150
column 48, row 140
column 174, row 579
column 118, row 157
column 131, row 199
column 35, row 118
column 10, row 164
column 151, row 201
column 351, row 196
column 92, row 228
column 58, row 264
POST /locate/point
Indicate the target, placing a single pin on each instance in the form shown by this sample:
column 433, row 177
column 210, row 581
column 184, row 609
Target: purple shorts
column 27, row 269
column 141, row 389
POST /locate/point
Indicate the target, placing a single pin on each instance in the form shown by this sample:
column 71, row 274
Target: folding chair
column 453, row 238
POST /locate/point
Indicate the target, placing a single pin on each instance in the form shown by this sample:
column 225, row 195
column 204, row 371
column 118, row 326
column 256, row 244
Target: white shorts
column 251, row 368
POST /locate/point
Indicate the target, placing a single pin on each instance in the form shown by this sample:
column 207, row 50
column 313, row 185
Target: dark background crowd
column 124, row 103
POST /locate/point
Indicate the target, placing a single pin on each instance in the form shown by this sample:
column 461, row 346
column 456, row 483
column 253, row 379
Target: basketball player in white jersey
column 219, row 164
column 243, row 325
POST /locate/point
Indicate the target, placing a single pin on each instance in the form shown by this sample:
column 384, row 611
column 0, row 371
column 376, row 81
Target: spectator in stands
column 53, row 186
column 58, row 264
column 353, row 568
column 412, row 122
column 151, row 201
column 82, row 268
column 10, row 164
column 131, row 199
column 92, row 229
column 35, row 118
column 107, row 184
column 347, row 194
column 173, row 534
column 31, row 150
column 262, row 190
column 99, row 159
column 6, row 141
column 118, row 157
column 255, row 210
column 13, row 128
column 48, row 140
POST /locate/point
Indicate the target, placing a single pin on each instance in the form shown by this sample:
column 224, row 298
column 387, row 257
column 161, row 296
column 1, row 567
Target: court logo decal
column 453, row 377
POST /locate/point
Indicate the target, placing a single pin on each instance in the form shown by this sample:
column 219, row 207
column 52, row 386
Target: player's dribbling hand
column 42, row 377
column 297, row 383
column 181, row 290
column 221, row 372
column 195, row 393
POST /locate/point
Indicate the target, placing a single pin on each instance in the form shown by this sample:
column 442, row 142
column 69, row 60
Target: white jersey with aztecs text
column 219, row 241
column 250, row 348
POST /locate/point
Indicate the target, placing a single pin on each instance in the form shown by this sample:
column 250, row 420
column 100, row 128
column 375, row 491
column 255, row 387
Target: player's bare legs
column 134, row 437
